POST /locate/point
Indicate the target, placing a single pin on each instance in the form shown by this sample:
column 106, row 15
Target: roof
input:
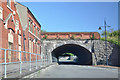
column 30, row 13
column 33, row 17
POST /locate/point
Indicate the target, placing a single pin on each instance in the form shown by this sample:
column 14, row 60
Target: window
column 19, row 57
column 10, row 52
column 17, row 25
column 38, row 49
column 9, row 3
column 29, row 25
column 19, row 39
column 34, row 30
column 1, row 13
column 38, row 34
column 30, row 47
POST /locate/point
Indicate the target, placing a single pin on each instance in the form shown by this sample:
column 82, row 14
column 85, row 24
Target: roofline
column 21, row 4
column 30, row 13
column 33, row 17
column 67, row 32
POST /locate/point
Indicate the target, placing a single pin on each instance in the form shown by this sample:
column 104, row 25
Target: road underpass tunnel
column 83, row 56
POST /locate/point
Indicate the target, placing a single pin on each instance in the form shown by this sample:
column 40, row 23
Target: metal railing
column 16, row 59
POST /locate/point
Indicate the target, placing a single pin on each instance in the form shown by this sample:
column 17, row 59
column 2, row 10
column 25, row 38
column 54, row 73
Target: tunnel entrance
column 72, row 54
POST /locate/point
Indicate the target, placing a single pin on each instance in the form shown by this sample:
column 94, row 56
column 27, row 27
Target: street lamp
column 100, row 28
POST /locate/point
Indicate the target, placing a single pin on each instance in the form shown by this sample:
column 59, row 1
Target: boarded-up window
column 38, row 49
column 19, row 52
column 32, row 47
column 1, row 13
column 34, row 30
column 19, row 39
column 17, row 25
column 10, row 54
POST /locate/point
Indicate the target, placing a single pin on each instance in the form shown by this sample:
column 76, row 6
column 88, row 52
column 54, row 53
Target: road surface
column 77, row 71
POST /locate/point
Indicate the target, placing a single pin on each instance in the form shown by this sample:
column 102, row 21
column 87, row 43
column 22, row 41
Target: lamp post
column 105, row 26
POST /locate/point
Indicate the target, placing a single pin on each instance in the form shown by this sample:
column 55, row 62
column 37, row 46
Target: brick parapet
column 70, row 35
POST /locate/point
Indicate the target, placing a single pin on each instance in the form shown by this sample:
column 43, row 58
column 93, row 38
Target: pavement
column 13, row 70
column 77, row 71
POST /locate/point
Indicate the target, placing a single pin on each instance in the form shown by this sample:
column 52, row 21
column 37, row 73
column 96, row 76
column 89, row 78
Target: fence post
column 5, row 65
column 47, row 60
column 30, row 62
column 20, row 64
column 36, row 61
column 44, row 61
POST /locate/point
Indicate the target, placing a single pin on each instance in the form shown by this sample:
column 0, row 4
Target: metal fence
column 16, row 62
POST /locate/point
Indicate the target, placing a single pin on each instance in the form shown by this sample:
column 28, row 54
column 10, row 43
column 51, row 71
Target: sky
column 74, row 16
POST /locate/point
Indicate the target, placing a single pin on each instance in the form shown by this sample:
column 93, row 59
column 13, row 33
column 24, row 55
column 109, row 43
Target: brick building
column 31, row 30
column 10, row 30
column 70, row 35
column 19, row 30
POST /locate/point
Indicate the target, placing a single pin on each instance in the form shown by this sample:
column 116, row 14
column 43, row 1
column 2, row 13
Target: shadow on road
column 67, row 63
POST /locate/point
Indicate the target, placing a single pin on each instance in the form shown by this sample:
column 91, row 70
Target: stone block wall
column 113, row 52
column 96, row 47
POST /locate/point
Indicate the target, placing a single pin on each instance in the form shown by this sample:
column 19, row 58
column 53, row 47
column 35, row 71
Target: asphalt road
column 77, row 71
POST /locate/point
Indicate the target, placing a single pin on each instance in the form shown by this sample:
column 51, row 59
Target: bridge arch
column 84, row 56
column 96, row 47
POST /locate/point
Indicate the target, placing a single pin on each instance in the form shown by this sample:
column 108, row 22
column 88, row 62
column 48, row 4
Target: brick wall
column 10, row 29
column 70, row 35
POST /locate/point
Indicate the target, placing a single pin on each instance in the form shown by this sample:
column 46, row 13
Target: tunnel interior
column 84, row 56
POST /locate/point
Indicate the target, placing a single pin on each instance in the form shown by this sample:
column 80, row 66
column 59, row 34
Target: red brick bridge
column 70, row 35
